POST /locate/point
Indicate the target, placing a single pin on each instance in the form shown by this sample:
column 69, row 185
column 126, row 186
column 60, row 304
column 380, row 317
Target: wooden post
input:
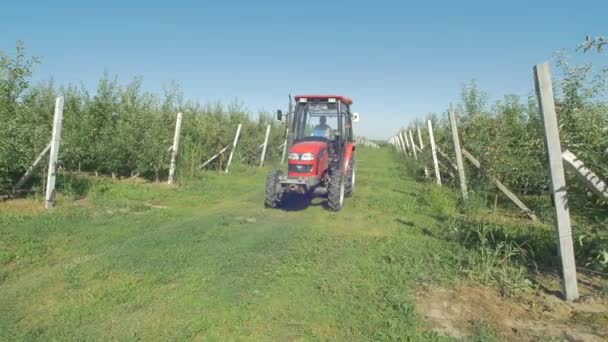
column 434, row 152
column 49, row 200
column 586, row 176
column 174, row 148
column 546, row 104
column 420, row 138
column 265, row 144
column 457, row 150
column 236, row 140
column 413, row 144
column 510, row 195
column 30, row 170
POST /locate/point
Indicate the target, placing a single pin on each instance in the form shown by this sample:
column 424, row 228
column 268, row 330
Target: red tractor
column 321, row 159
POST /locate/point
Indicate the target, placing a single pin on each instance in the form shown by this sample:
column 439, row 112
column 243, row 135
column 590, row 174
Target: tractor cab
column 321, row 152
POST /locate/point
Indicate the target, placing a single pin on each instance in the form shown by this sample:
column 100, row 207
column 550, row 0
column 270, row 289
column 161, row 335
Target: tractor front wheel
column 274, row 190
column 335, row 191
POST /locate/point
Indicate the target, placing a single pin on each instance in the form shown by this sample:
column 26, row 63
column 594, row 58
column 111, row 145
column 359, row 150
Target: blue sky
column 398, row 60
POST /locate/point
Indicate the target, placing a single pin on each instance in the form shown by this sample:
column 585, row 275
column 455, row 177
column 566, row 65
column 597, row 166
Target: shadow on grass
column 441, row 218
column 404, row 222
column 409, row 193
column 293, row 202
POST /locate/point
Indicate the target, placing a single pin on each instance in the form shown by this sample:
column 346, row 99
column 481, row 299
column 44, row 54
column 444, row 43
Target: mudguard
column 348, row 153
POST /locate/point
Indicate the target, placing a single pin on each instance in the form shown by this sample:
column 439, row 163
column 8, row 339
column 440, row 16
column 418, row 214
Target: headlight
column 308, row 157
column 294, row 156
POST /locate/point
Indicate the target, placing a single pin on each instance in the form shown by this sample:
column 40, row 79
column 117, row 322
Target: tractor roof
column 343, row 99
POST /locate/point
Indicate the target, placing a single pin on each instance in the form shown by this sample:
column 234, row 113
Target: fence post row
column 557, row 162
column 546, row 104
column 49, row 200
column 397, row 144
column 458, row 151
column 265, row 144
column 178, row 127
column 434, row 152
column 403, row 148
column 236, row 140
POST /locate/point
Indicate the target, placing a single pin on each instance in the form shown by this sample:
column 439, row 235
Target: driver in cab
column 322, row 129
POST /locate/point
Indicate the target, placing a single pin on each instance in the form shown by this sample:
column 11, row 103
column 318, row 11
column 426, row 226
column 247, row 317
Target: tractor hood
column 308, row 146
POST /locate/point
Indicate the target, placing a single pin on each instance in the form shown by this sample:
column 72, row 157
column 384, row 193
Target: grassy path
column 207, row 262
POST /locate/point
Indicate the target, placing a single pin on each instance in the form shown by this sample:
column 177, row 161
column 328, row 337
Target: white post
column 546, row 104
column 30, row 170
column 510, row 195
column 458, row 151
column 49, row 200
column 434, row 152
column 447, row 159
column 213, row 157
column 265, row 144
column 420, row 138
column 174, row 148
column 403, row 149
column 407, row 143
column 413, row 144
column 586, row 176
column 236, row 140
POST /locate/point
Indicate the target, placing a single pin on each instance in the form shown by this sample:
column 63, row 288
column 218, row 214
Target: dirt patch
column 84, row 202
column 455, row 312
column 155, row 204
column 24, row 206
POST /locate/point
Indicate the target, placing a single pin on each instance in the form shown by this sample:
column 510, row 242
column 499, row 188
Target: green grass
column 206, row 261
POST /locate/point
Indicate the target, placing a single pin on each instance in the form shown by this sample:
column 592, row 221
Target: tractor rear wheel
column 274, row 190
column 335, row 191
column 349, row 187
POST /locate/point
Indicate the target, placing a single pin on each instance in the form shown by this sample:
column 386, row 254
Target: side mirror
column 279, row 115
column 355, row 117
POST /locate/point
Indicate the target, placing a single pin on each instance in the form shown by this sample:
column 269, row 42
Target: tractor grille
column 299, row 168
